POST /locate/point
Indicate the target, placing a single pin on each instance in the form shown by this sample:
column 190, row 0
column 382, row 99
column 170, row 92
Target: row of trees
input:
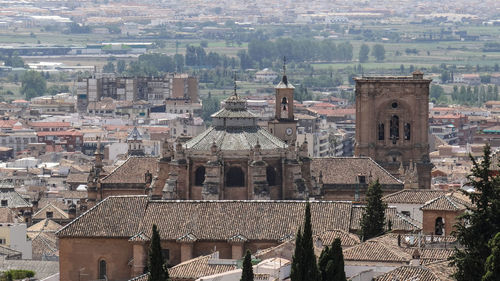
column 378, row 52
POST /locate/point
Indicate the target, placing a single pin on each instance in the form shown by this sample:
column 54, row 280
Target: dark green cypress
column 305, row 268
column 331, row 263
column 296, row 273
column 157, row 267
column 338, row 261
column 247, row 271
column 373, row 221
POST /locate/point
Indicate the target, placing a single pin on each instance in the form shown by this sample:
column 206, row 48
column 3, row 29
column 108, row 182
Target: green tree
column 304, row 267
column 373, row 221
column 331, row 263
column 480, row 223
column 109, row 68
column 157, row 267
column 492, row 266
column 247, row 271
column 378, row 51
column 33, row 84
column 120, row 66
column 363, row 53
column 209, row 106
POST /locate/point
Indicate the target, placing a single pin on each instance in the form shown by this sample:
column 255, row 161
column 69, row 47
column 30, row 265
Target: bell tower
column 392, row 125
column 284, row 125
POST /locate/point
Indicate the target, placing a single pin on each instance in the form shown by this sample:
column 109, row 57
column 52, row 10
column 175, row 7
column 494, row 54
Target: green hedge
column 15, row 274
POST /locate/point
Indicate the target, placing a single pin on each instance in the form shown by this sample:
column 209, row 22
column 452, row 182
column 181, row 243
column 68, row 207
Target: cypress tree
column 331, row 263
column 247, row 272
column 296, row 273
column 373, row 221
column 492, row 266
column 157, row 267
column 480, row 223
column 305, row 268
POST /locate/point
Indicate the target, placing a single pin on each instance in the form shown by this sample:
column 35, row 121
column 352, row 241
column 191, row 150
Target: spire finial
column 284, row 79
column 235, row 94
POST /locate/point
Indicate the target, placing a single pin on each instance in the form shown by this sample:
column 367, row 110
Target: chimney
column 415, row 258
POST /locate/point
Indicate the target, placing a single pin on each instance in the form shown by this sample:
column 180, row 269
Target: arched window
column 284, row 105
column 407, row 131
column 102, row 269
column 381, row 132
column 394, row 128
column 235, row 177
column 439, row 226
column 199, row 176
column 271, row 176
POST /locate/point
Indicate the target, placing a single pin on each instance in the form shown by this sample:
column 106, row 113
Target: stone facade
column 392, row 125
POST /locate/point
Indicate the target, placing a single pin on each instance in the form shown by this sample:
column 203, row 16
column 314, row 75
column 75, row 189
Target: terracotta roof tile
column 132, row 171
column 127, row 212
column 198, row 267
column 376, row 251
column 255, row 220
column 345, row 170
column 57, row 213
column 444, row 203
column 347, row 239
column 413, row 196
column 399, row 221
column 409, row 273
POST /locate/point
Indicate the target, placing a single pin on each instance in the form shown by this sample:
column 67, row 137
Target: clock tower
column 284, row 125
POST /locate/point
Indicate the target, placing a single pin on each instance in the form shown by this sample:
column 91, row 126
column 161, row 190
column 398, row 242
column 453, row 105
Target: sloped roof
column 413, row 196
column 46, row 225
column 57, row 213
column 399, row 222
column 408, row 272
column 7, row 215
column 346, row 238
column 198, row 267
column 8, row 252
column 235, row 138
column 375, row 251
column 134, row 134
column 42, row 269
column 44, row 244
column 255, row 220
column 77, row 177
column 14, row 199
column 112, row 217
column 132, row 171
column 345, row 170
column 445, row 203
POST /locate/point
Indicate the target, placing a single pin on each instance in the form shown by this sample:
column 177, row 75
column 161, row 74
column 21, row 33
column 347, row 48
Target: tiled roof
column 413, row 196
column 60, row 133
column 112, row 217
column 345, row 170
column 132, row 171
column 46, row 225
column 57, row 213
column 235, row 138
column 9, row 253
column 73, row 194
column 409, row 273
column 44, row 245
column 444, row 203
column 225, row 113
column 7, row 215
column 198, row 267
column 77, row 178
column 50, row 124
column 375, row 251
column 53, row 201
column 14, row 199
column 442, row 269
column 347, row 239
column 255, row 220
column 42, row 269
column 399, row 222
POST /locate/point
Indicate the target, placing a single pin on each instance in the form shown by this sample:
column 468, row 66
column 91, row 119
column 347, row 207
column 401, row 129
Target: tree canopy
column 378, row 51
column 33, row 84
column 331, row 262
column 247, row 270
column 373, row 221
column 157, row 267
column 479, row 224
column 363, row 53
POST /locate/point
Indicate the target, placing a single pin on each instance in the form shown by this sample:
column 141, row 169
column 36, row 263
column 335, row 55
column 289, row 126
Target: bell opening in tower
column 284, row 108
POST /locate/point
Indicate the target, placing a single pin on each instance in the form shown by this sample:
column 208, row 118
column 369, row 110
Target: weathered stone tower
column 392, row 124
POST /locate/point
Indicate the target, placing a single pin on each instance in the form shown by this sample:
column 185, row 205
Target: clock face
column 289, row 131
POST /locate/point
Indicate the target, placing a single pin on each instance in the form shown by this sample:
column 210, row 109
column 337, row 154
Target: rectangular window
column 166, row 254
column 362, row 179
column 4, row 203
column 49, row 215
